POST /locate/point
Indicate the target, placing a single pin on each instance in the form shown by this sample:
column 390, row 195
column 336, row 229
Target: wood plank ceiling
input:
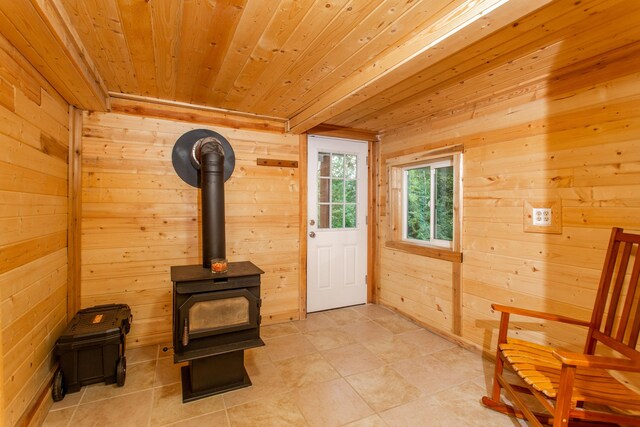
column 374, row 65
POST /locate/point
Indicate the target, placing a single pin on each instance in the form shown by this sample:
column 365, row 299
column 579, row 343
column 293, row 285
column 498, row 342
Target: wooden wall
column 139, row 218
column 34, row 140
column 572, row 136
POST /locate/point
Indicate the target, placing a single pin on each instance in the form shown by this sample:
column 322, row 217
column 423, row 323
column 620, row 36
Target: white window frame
column 434, row 165
column 395, row 238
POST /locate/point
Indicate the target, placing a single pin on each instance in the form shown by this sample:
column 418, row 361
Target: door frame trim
column 373, row 150
column 302, row 266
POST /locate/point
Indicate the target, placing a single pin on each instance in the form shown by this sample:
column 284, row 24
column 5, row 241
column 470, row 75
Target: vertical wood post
column 74, row 211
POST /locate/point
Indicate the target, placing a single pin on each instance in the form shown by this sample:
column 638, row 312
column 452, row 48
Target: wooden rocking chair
column 565, row 383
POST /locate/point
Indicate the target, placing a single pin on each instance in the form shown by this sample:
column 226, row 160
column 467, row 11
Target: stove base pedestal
column 213, row 375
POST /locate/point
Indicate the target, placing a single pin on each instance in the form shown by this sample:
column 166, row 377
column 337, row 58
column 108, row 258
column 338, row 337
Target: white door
column 337, row 228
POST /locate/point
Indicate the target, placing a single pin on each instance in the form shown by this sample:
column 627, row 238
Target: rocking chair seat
column 539, row 368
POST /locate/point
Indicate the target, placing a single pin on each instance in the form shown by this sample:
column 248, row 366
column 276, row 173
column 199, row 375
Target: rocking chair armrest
column 539, row 314
column 597, row 362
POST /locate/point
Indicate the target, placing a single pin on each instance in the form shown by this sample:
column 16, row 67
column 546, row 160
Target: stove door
column 214, row 313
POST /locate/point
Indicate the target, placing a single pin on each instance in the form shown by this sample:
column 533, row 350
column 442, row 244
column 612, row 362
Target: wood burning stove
column 216, row 315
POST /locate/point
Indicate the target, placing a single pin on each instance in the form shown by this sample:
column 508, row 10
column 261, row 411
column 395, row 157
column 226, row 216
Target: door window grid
column 337, row 190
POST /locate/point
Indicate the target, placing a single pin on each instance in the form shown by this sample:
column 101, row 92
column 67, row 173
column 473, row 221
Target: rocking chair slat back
column 615, row 319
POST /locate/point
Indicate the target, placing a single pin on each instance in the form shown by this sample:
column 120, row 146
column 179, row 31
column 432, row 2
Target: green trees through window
column 428, row 196
column 418, row 203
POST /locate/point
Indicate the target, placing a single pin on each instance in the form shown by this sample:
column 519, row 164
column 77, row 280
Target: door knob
column 312, row 234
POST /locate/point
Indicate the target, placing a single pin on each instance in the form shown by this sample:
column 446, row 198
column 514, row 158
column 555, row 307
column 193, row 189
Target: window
column 424, row 203
column 427, row 203
column 337, row 190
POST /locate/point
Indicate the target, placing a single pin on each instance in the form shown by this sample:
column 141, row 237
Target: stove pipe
column 212, row 196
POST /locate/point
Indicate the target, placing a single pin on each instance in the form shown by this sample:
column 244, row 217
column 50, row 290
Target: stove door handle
column 185, row 333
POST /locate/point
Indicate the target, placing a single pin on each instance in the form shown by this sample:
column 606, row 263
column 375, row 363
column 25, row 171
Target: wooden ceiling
column 366, row 64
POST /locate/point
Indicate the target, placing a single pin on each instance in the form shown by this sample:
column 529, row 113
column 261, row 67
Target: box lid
column 96, row 322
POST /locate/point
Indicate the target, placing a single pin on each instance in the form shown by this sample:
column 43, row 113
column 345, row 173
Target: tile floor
column 359, row 366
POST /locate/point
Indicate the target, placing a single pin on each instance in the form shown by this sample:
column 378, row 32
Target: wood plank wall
column 34, row 139
column 572, row 137
column 139, row 218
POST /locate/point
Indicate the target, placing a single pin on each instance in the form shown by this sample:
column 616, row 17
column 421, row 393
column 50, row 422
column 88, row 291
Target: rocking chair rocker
column 566, row 383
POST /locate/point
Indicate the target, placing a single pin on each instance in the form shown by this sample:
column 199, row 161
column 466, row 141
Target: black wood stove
column 216, row 306
column 216, row 317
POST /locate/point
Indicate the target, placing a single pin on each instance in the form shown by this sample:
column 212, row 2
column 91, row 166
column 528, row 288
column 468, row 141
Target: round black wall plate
column 181, row 155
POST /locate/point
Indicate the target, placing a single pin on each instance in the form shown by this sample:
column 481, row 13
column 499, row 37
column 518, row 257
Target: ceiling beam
column 462, row 24
column 42, row 32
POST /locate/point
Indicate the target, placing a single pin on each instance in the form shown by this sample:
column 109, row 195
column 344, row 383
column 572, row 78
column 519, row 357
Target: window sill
column 427, row 251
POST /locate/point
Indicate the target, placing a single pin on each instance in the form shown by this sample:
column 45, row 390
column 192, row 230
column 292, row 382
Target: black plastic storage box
column 91, row 349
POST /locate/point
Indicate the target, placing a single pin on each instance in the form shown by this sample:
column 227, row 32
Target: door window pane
column 350, row 166
column 337, row 190
column 337, row 165
column 323, row 190
column 324, row 164
column 337, row 216
column 323, row 216
column 350, row 216
column 350, row 191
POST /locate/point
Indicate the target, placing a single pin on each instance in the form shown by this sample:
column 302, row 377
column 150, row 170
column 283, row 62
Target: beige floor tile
column 168, row 407
column 303, row 370
column 59, row 418
column 352, row 359
column 372, row 421
column 139, row 377
column 289, row 346
column 314, row 322
column 141, row 354
column 372, row 311
column 422, row 412
column 278, row 410
column 266, row 381
column 129, row 410
column 332, row 403
column 167, row 372
column 261, row 368
column 278, row 330
column 344, row 316
column 326, row 339
column 70, row 399
column 256, row 356
column 215, row 419
column 463, row 400
column 257, row 391
column 427, row 341
column 458, row 359
column 429, row 374
column 394, row 349
column 367, row 330
column 396, row 324
column 383, row 388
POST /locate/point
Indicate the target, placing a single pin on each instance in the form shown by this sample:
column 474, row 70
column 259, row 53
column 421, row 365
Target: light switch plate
column 542, row 216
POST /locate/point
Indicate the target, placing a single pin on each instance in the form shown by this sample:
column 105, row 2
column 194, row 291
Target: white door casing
column 336, row 228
